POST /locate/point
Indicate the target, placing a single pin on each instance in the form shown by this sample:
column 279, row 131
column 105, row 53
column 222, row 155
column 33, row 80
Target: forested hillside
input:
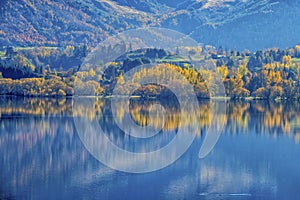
column 44, row 42
column 233, row 24
column 268, row 74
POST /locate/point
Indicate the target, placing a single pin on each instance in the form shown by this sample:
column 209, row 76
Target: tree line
column 267, row 74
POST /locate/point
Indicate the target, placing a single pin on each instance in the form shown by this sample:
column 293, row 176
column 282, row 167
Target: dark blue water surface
column 256, row 157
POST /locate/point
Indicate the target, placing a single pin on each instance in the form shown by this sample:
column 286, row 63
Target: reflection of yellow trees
column 32, row 129
column 54, row 136
column 139, row 111
column 238, row 114
column 90, row 108
column 35, row 106
column 27, row 141
column 174, row 117
column 262, row 116
column 278, row 118
column 140, row 115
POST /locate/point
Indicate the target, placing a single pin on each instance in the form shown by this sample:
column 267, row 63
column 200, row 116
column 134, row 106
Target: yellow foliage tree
column 223, row 71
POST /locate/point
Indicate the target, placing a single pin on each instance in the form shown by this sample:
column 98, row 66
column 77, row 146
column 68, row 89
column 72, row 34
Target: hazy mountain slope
column 237, row 24
column 151, row 6
column 278, row 28
column 65, row 21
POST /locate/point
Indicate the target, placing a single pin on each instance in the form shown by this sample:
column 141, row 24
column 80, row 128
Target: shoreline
column 137, row 97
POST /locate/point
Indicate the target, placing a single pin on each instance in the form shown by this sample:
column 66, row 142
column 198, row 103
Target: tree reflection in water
column 38, row 136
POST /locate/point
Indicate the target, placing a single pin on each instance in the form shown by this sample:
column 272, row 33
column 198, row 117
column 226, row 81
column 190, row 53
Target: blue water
column 256, row 157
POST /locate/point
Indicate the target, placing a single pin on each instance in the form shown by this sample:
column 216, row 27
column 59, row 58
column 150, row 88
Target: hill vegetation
column 44, row 71
column 230, row 23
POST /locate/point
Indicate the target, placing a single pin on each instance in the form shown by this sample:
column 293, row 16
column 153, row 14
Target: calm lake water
column 42, row 157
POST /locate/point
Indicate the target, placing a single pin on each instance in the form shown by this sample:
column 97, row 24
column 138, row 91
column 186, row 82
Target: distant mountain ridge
column 232, row 24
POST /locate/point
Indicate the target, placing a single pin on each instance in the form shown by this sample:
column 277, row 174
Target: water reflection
column 37, row 139
column 264, row 117
column 43, row 157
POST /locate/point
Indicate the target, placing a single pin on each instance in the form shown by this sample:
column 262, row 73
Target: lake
column 43, row 155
